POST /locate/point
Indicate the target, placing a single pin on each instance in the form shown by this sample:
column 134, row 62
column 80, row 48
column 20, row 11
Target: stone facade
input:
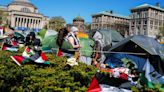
column 146, row 20
column 109, row 20
column 24, row 15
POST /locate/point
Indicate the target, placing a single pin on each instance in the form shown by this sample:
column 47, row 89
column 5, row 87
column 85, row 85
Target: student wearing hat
column 74, row 41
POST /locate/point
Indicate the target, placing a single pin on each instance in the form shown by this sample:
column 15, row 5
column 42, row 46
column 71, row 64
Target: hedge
column 57, row 77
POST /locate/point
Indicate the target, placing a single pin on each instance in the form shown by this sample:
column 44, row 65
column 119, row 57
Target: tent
column 109, row 37
column 19, row 37
column 86, row 43
column 46, row 33
column 86, row 50
column 143, row 47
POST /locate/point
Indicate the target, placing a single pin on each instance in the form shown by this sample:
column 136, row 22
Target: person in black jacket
column 32, row 42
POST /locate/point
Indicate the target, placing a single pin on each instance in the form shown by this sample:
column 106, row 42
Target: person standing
column 74, row 41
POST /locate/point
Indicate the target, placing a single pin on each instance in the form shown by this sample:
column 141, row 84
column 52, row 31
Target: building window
column 139, row 22
column 146, row 14
column 25, row 10
column 138, row 15
column 151, row 22
column 145, row 22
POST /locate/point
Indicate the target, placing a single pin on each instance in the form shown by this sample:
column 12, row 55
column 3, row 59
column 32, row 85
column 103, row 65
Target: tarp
column 139, row 43
column 143, row 44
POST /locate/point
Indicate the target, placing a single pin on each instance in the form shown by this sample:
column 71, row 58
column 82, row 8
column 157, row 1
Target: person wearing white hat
column 74, row 41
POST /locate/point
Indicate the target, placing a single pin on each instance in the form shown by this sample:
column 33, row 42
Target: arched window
column 25, row 10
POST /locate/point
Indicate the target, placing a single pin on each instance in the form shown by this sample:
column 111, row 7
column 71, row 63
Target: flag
column 59, row 53
column 29, row 56
column 14, row 43
column 105, row 83
column 39, row 58
column 12, row 49
column 147, row 78
column 94, row 86
column 19, row 60
column 27, row 52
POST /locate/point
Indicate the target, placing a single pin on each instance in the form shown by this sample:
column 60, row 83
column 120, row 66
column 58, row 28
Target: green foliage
column 56, row 23
column 3, row 18
column 57, row 77
column 161, row 30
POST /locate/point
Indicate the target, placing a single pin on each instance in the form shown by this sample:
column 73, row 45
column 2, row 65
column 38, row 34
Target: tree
column 161, row 33
column 122, row 28
column 87, row 26
column 3, row 18
column 56, row 23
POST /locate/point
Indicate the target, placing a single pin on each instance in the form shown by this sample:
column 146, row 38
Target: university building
column 23, row 15
column 146, row 19
column 110, row 20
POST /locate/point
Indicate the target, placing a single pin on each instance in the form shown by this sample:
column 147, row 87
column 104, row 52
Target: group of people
column 70, row 34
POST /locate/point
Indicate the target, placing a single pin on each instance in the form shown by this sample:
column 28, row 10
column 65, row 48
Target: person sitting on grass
column 32, row 52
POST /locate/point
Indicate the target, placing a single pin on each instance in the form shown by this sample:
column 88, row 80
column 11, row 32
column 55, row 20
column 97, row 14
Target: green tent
column 86, row 49
column 46, row 33
column 107, row 37
column 50, row 42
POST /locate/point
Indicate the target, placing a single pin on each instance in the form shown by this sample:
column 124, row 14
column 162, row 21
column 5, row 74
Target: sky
column 69, row 9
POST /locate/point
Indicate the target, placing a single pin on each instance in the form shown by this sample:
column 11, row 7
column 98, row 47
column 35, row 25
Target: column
column 12, row 21
column 26, row 22
column 34, row 23
column 31, row 23
column 37, row 23
column 23, row 22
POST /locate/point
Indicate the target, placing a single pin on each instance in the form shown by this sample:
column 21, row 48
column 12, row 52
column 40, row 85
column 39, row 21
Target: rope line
column 105, row 52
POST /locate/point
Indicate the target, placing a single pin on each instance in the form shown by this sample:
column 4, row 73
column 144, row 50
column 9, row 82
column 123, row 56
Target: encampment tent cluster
column 133, row 61
column 139, row 52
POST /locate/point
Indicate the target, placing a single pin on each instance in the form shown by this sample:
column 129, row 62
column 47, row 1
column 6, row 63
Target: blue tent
column 142, row 47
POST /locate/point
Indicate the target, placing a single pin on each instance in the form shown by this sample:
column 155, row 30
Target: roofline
column 126, row 17
column 150, row 6
column 22, row 5
column 28, row 12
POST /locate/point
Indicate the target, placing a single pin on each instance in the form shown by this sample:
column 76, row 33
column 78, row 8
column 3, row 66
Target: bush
column 56, row 77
